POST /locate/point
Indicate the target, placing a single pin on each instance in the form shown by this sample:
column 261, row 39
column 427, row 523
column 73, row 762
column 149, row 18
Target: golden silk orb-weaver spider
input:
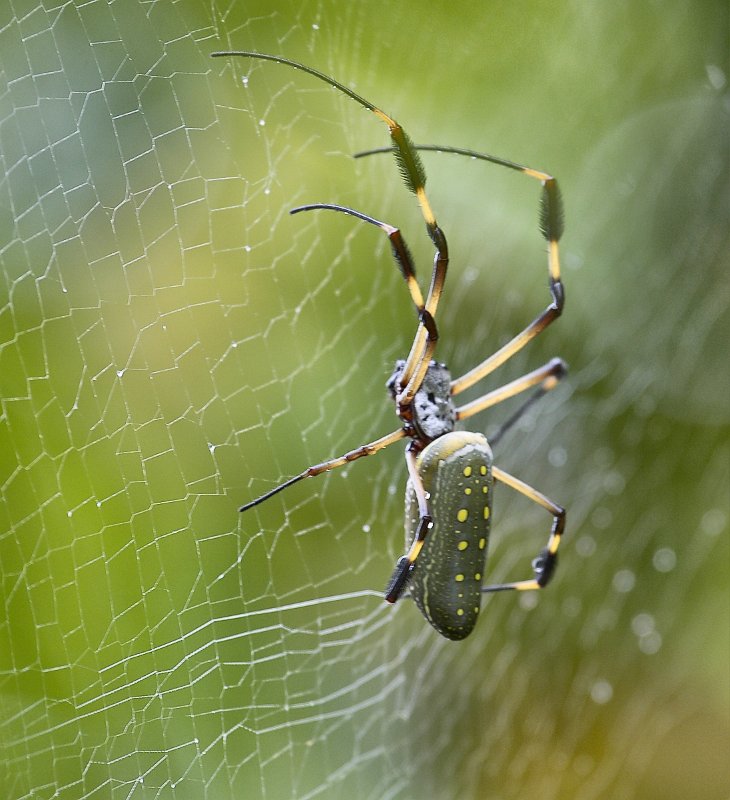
column 451, row 474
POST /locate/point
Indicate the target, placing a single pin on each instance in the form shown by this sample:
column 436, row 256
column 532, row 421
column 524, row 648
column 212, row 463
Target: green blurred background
column 172, row 343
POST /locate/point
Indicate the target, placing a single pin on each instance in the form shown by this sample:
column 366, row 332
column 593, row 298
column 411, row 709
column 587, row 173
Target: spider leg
column 414, row 175
column 404, row 398
column 551, row 226
column 406, row 563
column 546, row 561
column 317, row 469
column 401, row 253
column 538, row 394
column 546, row 377
column 421, row 352
column 537, row 326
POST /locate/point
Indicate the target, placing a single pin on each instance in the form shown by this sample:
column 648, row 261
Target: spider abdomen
column 446, row 583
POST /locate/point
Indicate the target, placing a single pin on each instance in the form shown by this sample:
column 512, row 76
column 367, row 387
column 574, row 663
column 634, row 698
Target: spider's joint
column 429, row 323
column 557, row 291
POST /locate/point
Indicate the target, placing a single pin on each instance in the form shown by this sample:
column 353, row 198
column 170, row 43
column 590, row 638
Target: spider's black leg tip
column 398, row 579
column 544, row 566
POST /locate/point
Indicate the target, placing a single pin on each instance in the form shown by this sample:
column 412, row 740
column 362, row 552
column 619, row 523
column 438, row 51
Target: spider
column 451, row 473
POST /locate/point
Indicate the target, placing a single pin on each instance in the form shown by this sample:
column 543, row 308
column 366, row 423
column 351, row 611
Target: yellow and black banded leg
column 406, row 563
column 403, row 258
column 545, row 378
column 547, row 385
column 551, row 226
column 421, row 353
column 414, row 175
column 317, row 469
column 404, row 398
column 546, row 561
column 401, row 253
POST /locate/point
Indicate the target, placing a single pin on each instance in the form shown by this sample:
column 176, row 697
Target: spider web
column 172, row 344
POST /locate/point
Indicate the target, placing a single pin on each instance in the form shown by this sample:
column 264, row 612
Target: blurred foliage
column 172, row 343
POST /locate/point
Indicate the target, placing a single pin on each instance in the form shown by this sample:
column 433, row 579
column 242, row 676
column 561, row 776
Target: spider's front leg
column 399, row 248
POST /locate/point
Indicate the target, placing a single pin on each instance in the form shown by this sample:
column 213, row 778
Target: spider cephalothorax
column 433, row 412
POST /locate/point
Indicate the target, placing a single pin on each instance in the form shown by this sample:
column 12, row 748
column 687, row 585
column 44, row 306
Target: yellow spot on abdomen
column 458, row 578
column 467, row 472
column 462, row 515
column 478, row 576
column 483, row 470
column 482, row 543
column 463, row 544
column 486, row 512
column 460, row 612
column 467, row 490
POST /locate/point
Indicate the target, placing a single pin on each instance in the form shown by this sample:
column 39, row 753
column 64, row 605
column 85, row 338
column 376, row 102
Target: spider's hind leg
column 547, row 559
